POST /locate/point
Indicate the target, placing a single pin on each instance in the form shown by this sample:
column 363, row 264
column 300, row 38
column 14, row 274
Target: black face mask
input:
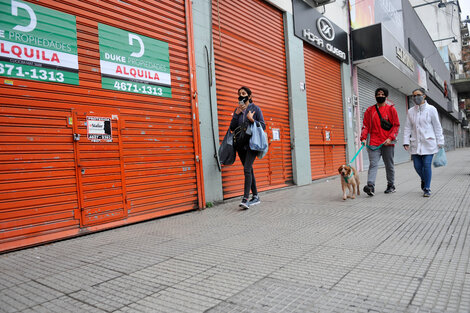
column 244, row 99
column 380, row 99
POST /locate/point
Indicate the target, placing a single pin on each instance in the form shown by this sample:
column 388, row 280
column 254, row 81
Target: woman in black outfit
column 246, row 114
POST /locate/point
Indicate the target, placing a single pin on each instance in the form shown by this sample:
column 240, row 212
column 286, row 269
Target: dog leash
column 362, row 146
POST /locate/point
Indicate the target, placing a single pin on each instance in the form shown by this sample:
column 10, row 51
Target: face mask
column 418, row 100
column 380, row 99
column 244, row 99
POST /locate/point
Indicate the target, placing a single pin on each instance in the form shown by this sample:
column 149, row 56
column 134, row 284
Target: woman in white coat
column 423, row 137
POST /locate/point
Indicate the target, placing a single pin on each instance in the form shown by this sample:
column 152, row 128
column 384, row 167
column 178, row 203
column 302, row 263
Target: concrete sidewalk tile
column 170, row 272
column 395, row 264
column 11, row 278
column 25, row 295
column 272, row 295
column 311, row 273
column 76, row 279
column 443, row 287
column 255, row 263
column 210, row 255
column 132, row 261
column 339, row 301
column 218, row 283
column 63, row 304
column 173, row 300
column 336, row 256
column 116, row 293
column 382, row 286
column 285, row 249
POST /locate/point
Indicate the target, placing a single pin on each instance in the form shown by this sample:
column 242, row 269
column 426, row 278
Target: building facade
column 112, row 113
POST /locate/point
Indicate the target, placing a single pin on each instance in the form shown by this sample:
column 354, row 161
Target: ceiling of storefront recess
column 382, row 68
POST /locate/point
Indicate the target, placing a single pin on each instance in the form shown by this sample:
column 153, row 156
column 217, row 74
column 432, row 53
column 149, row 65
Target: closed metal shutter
column 367, row 86
column 325, row 112
column 51, row 185
column 249, row 51
column 448, row 132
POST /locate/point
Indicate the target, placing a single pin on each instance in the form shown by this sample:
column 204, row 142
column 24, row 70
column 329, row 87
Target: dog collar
column 348, row 177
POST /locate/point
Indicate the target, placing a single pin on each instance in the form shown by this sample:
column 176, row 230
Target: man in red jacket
column 381, row 140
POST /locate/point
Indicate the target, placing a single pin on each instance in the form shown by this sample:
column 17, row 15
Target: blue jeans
column 422, row 165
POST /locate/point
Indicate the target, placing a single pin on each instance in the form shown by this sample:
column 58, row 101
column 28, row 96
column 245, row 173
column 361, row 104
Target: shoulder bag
column 385, row 124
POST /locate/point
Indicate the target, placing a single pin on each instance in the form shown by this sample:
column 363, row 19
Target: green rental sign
column 37, row 43
column 134, row 63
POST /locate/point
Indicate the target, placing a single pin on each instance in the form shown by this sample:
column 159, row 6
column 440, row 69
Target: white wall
column 283, row 5
column 447, row 25
column 336, row 11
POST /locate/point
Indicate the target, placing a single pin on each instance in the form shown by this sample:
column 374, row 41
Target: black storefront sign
column 314, row 28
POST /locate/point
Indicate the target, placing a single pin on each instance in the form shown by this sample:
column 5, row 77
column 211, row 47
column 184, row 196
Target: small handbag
column 385, row 124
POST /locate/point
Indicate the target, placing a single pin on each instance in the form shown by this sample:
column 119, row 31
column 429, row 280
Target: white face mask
column 418, row 99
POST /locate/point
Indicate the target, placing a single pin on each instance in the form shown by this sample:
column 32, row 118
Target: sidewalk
column 303, row 249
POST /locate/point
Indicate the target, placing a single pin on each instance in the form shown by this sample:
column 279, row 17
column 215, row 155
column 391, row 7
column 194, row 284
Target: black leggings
column 248, row 158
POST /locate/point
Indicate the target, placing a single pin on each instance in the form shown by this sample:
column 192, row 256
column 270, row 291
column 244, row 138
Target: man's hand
column 363, row 142
column 406, row 147
column 388, row 142
column 249, row 116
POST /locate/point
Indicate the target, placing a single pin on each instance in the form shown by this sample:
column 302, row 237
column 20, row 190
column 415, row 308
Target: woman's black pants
column 248, row 157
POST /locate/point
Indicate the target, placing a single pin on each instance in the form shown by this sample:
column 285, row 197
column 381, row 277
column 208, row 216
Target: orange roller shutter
column 325, row 112
column 50, row 186
column 249, row 51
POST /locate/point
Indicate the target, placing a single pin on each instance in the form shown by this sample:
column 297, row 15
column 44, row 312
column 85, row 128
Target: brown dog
column 349, row 180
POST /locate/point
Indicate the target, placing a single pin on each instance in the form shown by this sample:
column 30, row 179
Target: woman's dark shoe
column 244, row 204
column 254, row 200
column 427, row 193
column 422, row 185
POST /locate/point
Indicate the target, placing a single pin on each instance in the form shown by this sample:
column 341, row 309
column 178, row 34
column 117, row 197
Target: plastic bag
column 261, row 154
column 258, row 141
column 227, row 152
column 440, row 158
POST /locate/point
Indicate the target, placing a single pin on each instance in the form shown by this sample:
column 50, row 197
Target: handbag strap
column 378, row 111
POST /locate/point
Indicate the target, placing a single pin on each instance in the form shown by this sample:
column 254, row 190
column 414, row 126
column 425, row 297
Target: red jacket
column 371, row 125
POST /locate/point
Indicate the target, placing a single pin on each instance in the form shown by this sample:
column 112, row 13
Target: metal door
column 99, row 167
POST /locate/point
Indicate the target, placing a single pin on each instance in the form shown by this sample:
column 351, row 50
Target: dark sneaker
column 244, row 204
column 422, row 185
column 427, row 193
column 254, row 200
column 390, row 189
column 369, row 189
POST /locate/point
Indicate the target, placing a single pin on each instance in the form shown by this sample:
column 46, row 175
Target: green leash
column 362, row 146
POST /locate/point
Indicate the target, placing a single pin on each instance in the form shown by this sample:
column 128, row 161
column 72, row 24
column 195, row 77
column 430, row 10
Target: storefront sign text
column 37, row 43
column 317, row 30
column 405, row 58
column 134, row 63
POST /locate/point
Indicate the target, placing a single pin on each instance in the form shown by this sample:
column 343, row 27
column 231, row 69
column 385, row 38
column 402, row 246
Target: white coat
column 423, row 130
